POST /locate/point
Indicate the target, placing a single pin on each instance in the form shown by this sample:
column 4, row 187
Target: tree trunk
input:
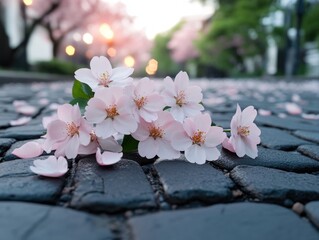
column 6, row 56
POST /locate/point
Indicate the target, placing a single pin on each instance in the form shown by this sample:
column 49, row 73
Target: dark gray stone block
column 109, row 189
column 5, row 144
column 269, row 158
column 310, row 136
column 184, row 181
column 279, row 139
column 273, row 121
column 23, row 132
column 309, row 150
column 275, row 185
column 21, row 221
column 242, row 221
column 312, row 211
column 18, row 183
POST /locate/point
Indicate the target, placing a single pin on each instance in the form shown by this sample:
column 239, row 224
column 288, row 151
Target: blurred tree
column 234, row 35
column 161, row 52
column 310, row 24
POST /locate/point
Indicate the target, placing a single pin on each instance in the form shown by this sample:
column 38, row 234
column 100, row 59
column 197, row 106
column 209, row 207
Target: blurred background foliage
column 242, row 38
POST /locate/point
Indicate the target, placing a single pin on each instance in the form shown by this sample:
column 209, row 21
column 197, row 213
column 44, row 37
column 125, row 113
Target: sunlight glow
column 87, row 38
column 106, row 31
column 70, row 50
column 28, row 2
column 129, row 61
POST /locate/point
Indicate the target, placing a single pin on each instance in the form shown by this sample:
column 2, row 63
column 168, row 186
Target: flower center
column 180, row 98
column 156, row 132
column 72, row 129
column 243, row 131
column 112, row 111
column 93, row 137
column 104, row 79
column 140, row 102
column 198, row 137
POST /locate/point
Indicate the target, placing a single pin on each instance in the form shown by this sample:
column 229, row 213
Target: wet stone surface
column 275, row 185
column 271, row 158
column 111, row 189
column 231, row 198
column 182, row 182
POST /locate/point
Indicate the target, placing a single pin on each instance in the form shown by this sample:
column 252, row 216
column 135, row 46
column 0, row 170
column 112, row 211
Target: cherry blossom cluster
column 121, row 115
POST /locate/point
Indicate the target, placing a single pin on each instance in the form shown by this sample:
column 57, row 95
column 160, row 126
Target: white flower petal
column 195, row 154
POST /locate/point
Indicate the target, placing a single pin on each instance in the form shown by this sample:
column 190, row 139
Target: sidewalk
column 275, row 196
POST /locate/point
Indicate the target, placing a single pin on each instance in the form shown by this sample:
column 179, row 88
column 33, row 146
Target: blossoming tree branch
column 111, row 114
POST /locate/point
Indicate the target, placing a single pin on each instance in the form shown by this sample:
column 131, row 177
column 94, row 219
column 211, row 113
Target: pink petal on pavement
column 28, row 150
column 50, row 167
column 293, row 108
column 20, row 121
column 107, row 158
column 26, row 110
column 227, row 145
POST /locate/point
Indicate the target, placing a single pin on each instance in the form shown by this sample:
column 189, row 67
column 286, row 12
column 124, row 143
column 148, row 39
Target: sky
column 155, row 16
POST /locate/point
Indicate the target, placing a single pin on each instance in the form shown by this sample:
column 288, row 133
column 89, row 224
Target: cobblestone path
column 275, row 196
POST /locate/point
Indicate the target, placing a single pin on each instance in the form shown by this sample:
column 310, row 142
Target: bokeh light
column 70, row 50
column 129, row 61
column 151, row 67
column 87, row 38
column 111, row 52
column 106, row 31
column 28, row 2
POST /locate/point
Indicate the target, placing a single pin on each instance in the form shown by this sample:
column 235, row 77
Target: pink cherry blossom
column 107, row 144
column 47, row 119
column 227, row 145
column 244, row 132
column 110, row 111
column 107, row 158
column 155, row 137
column 146, row 103
column 198, row 139
column 183, row 99
column 67, row 132
column 50, row 167
column 102, row 74
column 29, row 150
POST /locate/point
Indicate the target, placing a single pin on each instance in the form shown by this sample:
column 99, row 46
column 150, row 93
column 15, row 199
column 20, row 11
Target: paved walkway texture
column 275, row 196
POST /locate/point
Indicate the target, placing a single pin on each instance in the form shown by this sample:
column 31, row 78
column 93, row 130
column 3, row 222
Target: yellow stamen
column 112, row 111
column 156, row 132
column 105, row 79
column 180, row 98
column 140, row 102
column 72, row 129
column 198, row 137
column 243, row 131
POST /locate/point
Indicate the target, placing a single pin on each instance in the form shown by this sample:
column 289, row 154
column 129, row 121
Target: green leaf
column 129, row 144
column 81, row 101
column 81, row 90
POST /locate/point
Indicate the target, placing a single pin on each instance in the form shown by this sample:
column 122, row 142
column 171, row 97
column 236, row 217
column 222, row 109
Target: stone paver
column 312, row 211
column 139, row 199
column 18, row 183
column 21, row 221
column 23, row 132
column 110, row 189
column 5, row 144
column 309, row 136
column 309, row 150
column 183, row 182
column 275, row 185
column 279, row 139
column 269, row 158
column 249, row 221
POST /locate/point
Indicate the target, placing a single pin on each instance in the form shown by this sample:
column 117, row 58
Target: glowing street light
column 106, row 31
column 151, row 67
column 70, row 50
column 28, row 2
column 129, row 61
column 87, row 38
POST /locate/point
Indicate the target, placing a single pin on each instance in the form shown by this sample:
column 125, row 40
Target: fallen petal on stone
column 28, row 150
